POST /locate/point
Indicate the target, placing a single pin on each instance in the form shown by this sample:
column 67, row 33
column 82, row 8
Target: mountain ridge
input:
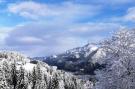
column 80, row 60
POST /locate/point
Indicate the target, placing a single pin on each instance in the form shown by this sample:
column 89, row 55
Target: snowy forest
column 115, row 55
column 18, row 72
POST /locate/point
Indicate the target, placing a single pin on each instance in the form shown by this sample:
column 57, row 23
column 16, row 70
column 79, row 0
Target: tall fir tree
column 13, row 75
column 3, row 82
column 34, row 77
column 21, row 84
column 54, row 83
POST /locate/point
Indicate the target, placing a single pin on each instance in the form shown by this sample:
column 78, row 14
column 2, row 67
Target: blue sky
column 45, row 27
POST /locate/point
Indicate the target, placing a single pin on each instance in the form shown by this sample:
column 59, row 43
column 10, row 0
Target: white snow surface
column 99, row 54
column 93, row 48
column 29, row 67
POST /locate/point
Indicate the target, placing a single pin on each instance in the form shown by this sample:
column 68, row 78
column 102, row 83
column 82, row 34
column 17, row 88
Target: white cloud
column 94, row 27
column 36, row 11
column 130, row 16
column 38, row 39
column 30, row 40
column 4, row 32
column 127, row 17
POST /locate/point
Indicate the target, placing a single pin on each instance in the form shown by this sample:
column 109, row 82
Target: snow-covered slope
column 16, row 70
column 78, row 60
column 85, row 51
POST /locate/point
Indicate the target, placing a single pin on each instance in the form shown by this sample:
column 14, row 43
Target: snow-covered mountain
column 80, row 60
column 19, row 72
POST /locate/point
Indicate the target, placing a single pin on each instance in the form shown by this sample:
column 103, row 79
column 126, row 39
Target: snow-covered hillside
column 84, row 51
column 78, row 60
column 19, row 72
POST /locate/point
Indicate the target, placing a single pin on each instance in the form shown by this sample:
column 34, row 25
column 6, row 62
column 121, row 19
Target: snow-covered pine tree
column 46, row 80
column 14, row 79
column 3, row 82
column 40, row 83
column 7, row 70
column 21, row 84
column 69, row 83
column 34, row 77
column 54, row 82
column 38, row 74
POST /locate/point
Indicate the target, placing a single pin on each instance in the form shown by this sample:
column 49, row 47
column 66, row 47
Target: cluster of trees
column 42, row 76
column 119, row 60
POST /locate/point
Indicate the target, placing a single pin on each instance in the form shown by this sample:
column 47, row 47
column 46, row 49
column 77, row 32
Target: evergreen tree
column 13, row 75
column 21, row 79
column 7, row 71
column 39, row 79
column 46, row 81
column 3, row 82
column 38, row 73
column 54, row 82
column 34, row 77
